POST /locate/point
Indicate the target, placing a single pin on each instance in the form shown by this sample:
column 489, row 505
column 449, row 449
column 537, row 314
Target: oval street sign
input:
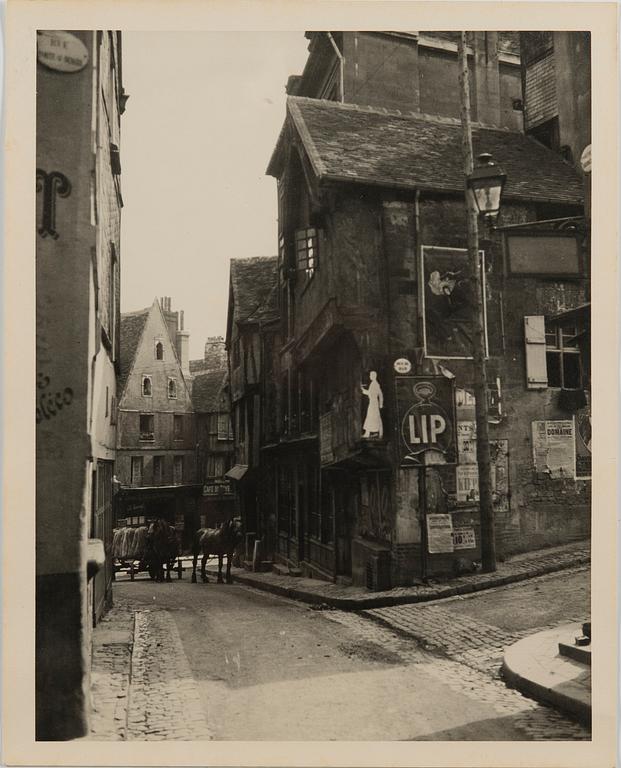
column 61, row 51
column 585, row 159
column 402, row 365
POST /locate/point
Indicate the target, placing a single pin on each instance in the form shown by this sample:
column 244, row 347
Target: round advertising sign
column 61, row 51
column 426, row 425
column 402, row 365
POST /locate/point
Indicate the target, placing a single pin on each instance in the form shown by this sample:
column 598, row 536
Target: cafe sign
column 61, row 51
column 217, row 488
column 426, row 407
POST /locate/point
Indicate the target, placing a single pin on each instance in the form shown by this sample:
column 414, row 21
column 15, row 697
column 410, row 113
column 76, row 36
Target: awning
column 237, row 472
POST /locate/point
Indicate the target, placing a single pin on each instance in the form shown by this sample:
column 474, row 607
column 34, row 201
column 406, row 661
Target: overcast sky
column 203, row 117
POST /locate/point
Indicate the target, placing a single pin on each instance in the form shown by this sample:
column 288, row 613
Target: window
column 562, row 357
column 177, row 470
column 172, row 389
column 178, row 427
column 107, row 400
column 306, row 251
column 552, row 356
column 136, row 470
column 158, row 466
column 147, row 387
column 215, row 466
column 225, row 429
column 159, row 351
column 147, row 431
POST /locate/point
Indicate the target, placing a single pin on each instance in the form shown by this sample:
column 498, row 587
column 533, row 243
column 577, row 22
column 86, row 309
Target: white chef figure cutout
column 373, row 421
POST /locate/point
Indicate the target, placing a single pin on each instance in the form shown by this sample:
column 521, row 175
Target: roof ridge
column 407, row 114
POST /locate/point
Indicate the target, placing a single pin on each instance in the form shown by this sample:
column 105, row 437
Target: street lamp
column 486, row 183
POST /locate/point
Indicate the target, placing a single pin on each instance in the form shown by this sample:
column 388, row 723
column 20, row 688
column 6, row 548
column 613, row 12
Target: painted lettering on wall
column 49, row 403
column 51, row 184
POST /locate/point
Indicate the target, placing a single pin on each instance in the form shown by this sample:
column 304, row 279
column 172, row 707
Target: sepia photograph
column 313, row 419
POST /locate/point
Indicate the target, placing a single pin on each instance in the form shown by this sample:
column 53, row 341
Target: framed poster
column 426, row 408
column 446, row 299
column 554, row 447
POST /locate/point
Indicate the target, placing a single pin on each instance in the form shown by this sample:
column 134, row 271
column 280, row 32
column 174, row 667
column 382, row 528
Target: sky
column 203, row 117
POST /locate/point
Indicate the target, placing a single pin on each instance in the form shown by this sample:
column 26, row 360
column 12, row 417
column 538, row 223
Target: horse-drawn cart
column 137, row 549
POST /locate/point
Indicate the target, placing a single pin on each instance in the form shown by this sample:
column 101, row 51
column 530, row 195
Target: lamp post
column 482, row 187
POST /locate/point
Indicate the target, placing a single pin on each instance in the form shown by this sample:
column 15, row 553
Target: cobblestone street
column 183, row 661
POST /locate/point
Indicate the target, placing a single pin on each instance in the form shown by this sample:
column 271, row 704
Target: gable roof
column 351, row 143
column 252, row 282
column 206, row 390
column 132, row 326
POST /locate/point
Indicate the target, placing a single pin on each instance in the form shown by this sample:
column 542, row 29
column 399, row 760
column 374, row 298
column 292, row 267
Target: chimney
column 486, row 77
column 215, row 353
column 182, row 345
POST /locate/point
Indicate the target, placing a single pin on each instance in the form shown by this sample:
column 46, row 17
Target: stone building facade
column 372, row 288
column 156, row 444
column 80, row 99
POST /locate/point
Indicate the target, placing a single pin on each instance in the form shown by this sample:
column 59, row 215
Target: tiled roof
column 268, row 310
column 132, row 325
column 350, row 143
column 206, row 390
column 252, row 280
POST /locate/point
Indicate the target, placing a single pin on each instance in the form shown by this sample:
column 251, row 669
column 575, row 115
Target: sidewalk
column 535, row 667
column 517, row 568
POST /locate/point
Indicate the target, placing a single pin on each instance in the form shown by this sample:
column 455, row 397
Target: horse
column 217, row 541
column 161, row 549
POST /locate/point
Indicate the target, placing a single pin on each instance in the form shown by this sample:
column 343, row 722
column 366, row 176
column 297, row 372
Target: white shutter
column 535, row 339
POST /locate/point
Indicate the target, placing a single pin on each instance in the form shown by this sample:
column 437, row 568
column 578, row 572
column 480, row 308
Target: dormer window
column 147, row 387
column 159, row 351
column 172, row 388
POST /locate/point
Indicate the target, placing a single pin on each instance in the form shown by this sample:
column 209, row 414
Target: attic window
column 172, row 389
column 147, row 389
column 159, row 351
column 306, row 250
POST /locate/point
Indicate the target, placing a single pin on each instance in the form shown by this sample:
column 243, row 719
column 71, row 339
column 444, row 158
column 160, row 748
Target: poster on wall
column 464, row 538
column 467, row 442
column 583, row 443
column 426, row 408
column 440, row 534
column 447, row 303
column 554, row 447
column 468, row 477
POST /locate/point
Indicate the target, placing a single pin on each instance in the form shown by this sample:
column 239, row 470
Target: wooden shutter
column 535, row 339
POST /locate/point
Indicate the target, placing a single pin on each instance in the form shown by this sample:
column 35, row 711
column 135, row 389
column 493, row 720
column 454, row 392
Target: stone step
column 280, row 569
column 295, row 571
column 580, row 653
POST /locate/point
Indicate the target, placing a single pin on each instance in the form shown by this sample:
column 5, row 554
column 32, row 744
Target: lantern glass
column 487, row 193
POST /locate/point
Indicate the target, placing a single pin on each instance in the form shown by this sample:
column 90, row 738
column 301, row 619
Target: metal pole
column 488, row 541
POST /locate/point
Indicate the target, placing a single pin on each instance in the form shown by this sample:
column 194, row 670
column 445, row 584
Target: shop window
column 177, row 427
column 158, row 469
column 225, row 428
column 159, row 351
column 307, row 250
column 136, row 470
column 172, row 389
column 147, row 386
column 147, row 430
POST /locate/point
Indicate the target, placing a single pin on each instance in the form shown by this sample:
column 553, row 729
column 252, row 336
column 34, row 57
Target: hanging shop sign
column 402, row 365
column 61, row 51
column 584, row 436
column 554, row 447
column 446, row 297
column 440, row 534
column 426, row 407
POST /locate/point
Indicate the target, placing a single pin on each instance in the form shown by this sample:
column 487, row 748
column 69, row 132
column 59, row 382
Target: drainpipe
column 341, row 64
